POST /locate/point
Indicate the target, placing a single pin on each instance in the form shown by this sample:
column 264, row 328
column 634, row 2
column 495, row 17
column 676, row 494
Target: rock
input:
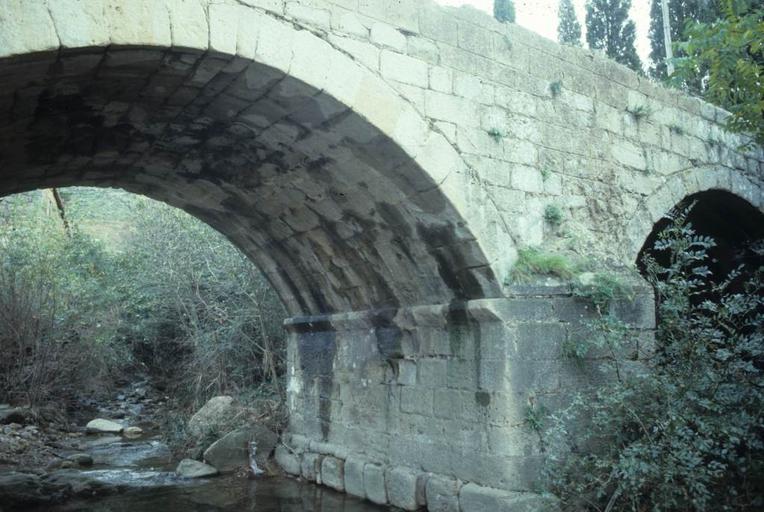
column 104, row 426
column 133, row 432
column 19, row 489
column 73, row 482
column 216, row 412
column 190, row 468
column 19, row 415
column 81, row 459
column 231, row 452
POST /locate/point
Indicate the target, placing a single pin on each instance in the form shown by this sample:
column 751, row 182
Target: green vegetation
column 533, row 262
column 553, row 215
column 676, row 129
column 639, row 112
column 681, row 12
column 684, row 432
column 545, row 173
column 728, row 55
column 147, row 288
column 555, row 88
column 504, row 11
column 602, row 289
column 608, row 28
column 496, row 134
column 569, row 28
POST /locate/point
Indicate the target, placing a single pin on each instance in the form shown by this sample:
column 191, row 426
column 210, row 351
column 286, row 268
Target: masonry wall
column 429, row 405
column 538, row 124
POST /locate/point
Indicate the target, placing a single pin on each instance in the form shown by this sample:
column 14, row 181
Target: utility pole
column 667, row 38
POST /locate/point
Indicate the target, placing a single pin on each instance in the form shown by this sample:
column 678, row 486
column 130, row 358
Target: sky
column 541, row 17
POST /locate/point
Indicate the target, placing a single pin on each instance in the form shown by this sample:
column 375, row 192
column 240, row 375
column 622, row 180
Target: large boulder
column 190, row 468
column 231, row 452
column 102, row 426
column 217, row 412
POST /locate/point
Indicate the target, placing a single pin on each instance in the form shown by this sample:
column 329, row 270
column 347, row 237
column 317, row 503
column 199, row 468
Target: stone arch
column 677, row 187
column 331, row 182
column 735, row 225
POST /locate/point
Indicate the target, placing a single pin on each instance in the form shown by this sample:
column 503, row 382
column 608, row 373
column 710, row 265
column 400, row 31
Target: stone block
column 537, row 341
column 441, row 79
column 313, row 16
column 333, row 473
column 462, row 374
column 310, row 467
column 432, row 372
column 385, row 35
column 406, row 371
column 401, row 485
column 354, row 483
column 287, row 460
column 374, row 484
column 403, row 68
column 416, row 400
column 442, row 494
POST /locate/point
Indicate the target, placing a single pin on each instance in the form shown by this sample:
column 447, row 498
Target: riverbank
column 87, row 451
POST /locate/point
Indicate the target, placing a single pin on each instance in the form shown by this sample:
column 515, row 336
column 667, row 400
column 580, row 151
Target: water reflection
column 222, row 494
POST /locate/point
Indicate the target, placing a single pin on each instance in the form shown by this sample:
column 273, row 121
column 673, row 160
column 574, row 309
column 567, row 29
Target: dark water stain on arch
column 442, row 244
column 316, row 350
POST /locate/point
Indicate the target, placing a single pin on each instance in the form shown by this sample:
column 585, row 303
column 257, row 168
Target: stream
column 137, row 473
column 138, row 476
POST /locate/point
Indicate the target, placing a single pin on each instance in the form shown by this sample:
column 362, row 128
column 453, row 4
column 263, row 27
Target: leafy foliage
column 504, row 11
column 729, row 54
column 681, row 12
column 569, row 28
column 609, row 28
column 56, row 313
column 687, row 432
column 144, row 286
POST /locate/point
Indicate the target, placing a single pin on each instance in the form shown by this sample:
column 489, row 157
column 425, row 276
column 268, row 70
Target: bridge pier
column 428, row 405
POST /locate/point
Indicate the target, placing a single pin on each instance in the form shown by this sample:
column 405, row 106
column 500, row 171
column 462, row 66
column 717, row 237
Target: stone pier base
column 427, row 406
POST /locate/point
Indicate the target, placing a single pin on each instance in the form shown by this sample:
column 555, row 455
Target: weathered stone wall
column 504, row 121
column 381, row 404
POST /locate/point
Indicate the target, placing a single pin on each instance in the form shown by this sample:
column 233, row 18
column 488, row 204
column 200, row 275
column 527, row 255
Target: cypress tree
column 504, row 11
column 680, row 12
column 569, row 29
column 609, row 28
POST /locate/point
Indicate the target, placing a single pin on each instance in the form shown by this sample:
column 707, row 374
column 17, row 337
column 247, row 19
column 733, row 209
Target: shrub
column 687, row 433
column 553, row 215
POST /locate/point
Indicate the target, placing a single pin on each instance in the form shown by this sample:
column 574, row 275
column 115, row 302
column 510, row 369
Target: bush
column 133, row 283
column 54, row 322
column 687, row 433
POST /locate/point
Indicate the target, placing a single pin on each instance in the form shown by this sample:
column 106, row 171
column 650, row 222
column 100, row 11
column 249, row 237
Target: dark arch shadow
column 334, row 212
column 736, row 226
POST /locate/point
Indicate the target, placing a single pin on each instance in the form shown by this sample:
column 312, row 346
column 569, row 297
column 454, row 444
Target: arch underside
column 735, row 225
column 334, row 213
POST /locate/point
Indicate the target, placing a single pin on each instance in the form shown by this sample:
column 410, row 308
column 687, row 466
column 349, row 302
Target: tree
column 569, row 29
column 680, row 13
column 609, row 28
column 732, row 50
column 504, row 11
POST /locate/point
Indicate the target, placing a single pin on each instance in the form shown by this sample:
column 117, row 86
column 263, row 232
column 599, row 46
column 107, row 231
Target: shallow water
column 141, row 472
column 220, row 494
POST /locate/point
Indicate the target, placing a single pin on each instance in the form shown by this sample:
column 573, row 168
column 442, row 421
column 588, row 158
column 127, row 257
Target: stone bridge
column 381, row 161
